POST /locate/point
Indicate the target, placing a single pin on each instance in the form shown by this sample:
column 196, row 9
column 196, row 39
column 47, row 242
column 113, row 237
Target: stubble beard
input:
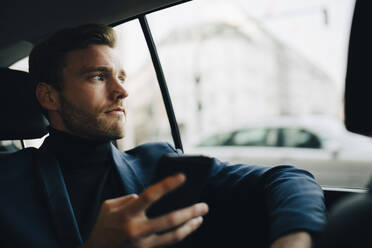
column 90, row 126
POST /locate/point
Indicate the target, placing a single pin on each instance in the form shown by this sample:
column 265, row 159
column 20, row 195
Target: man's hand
column 293, row 240
column 122, row 222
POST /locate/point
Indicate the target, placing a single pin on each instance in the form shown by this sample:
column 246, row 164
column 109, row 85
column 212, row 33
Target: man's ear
column 47, row 96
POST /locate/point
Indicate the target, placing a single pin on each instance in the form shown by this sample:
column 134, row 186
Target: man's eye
column 122, row 80
column 99, row 77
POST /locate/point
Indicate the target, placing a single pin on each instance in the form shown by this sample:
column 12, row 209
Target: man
column 92, row 195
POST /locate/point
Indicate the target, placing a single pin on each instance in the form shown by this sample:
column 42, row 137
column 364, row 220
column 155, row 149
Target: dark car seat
column 349, row 223
column 358, row 88
column 21, row 117
column 350, row 219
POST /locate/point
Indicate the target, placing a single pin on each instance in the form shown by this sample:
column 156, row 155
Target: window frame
column 168, row 102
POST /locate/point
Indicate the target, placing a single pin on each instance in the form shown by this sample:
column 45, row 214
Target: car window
column 217, row 140
column 300, row 138
column 253, row 137
column 238, row 64
column 8, row 146
column 235, row 65
column 146, row 119
column 249, row 137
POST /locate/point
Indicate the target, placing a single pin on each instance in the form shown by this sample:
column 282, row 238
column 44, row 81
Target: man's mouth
column 116, row 111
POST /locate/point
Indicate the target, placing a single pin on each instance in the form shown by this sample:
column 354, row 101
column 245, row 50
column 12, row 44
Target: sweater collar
column 76, row 152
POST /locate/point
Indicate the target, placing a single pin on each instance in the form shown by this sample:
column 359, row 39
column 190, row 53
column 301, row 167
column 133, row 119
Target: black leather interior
column 21, row 117
column 358, row 91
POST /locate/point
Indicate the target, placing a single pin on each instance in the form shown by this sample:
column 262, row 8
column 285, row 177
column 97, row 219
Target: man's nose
column 119, row 90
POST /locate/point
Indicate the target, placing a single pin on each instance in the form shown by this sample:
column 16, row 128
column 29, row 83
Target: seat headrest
column 21, row 117
column 358, row 86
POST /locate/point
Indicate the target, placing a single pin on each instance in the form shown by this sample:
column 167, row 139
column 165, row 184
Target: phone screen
column 196, row 170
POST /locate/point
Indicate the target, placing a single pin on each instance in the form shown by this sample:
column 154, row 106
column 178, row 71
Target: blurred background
column 254, row 82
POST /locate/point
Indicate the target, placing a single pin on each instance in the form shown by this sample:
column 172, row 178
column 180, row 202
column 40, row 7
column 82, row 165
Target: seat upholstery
column 21, row 117
column 358, row 87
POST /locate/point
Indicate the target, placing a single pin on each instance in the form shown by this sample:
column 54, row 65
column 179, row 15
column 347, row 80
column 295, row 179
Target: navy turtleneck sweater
column 89, row 173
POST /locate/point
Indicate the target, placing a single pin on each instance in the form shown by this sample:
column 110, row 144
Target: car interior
column 23, row 23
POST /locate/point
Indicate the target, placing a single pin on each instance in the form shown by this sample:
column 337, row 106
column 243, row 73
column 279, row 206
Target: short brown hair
column 47, row 58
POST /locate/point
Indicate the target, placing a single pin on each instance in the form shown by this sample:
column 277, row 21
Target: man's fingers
column 121, row 202
column 177, row 218
column 156, row 191
column 178, row 234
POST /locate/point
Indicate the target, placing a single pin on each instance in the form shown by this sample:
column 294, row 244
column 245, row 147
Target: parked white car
column 322, row 146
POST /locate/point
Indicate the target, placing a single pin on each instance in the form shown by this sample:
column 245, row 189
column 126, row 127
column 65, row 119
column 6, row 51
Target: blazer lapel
column 131, row 182
column 57, row 199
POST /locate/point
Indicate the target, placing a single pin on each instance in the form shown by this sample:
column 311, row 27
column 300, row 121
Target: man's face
column 92, row 98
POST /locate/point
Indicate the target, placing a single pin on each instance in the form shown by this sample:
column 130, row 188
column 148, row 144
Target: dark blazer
column 35, row 210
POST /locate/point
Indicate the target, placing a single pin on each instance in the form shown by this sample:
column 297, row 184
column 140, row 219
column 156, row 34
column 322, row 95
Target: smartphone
column 196, row 170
